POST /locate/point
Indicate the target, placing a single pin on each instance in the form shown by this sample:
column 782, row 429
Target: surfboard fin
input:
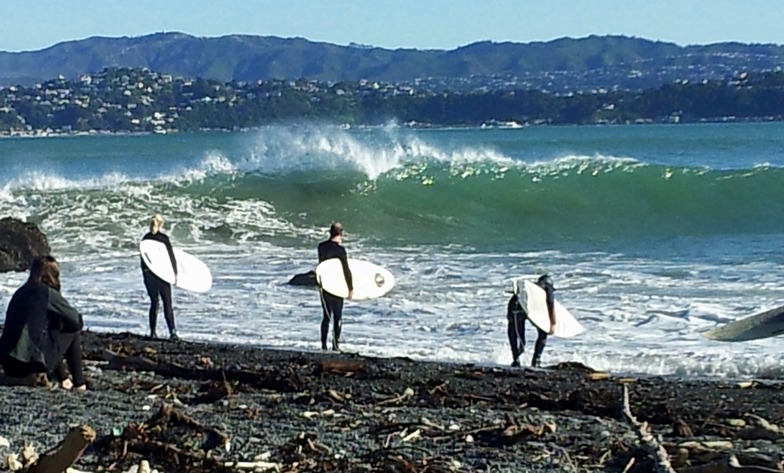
column 515, row 289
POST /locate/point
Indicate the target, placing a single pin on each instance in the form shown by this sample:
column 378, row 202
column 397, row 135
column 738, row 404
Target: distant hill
column 560, row 66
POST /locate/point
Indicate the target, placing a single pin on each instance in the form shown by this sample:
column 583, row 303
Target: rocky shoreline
column 183, row 406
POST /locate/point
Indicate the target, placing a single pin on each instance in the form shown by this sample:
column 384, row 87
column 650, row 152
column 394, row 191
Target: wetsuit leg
column 325, row 319
column 168, row 312
column 60, row 373
column 71, row 345
column 541, row 341
column 73, row 357
column 515, row 331
column 337, row 322
column 333, row 310
column 151, row 283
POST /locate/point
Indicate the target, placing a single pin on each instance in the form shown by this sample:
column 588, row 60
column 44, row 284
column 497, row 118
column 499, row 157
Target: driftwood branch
column 650, row 442
column 259, row 379
column 728, row 465
column 67, row 452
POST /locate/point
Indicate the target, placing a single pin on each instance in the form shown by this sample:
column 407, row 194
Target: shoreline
column 326, row 411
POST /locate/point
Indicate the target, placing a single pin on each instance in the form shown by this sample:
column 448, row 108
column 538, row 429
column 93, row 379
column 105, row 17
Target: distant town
column 139, row 100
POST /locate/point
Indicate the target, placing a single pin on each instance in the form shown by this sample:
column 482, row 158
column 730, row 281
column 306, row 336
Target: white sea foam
column 449, row 306
column 312, row 147
column 213, row 163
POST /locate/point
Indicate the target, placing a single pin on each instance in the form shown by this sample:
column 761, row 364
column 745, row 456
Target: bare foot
column 81, row 388
column 66, row 384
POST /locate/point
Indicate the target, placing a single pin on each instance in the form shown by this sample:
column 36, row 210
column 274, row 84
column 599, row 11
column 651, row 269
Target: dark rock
column 304, row 279
column 20, row 242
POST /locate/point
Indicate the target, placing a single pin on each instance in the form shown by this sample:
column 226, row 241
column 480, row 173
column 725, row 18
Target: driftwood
column 729, row 465
column 273, row 382
column 65, row 454
column 649, row 441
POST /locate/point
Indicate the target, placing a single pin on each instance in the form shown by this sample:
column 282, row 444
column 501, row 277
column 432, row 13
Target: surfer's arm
column 550, row 299
column 170, row 250
column 347, row 275
column 57, row 304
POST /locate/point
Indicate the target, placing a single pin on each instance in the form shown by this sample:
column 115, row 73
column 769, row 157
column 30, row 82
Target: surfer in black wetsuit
column 157, row 288
column 516, row 316
column 331, row 305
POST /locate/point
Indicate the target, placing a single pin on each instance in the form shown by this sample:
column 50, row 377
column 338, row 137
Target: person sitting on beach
column 157, row 288
column 516, row 316
column 41, row 329
column 331, row 305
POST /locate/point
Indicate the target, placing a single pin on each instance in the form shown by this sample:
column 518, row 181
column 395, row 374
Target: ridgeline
column 561, row 66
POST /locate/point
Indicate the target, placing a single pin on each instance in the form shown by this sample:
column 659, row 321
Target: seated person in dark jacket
column 41, row 329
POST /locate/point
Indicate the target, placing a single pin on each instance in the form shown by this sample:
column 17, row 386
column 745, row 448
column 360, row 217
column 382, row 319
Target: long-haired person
column 41, row 329
column 157, row 288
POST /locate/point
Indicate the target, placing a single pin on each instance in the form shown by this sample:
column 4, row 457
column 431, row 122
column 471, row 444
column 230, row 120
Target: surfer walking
column 331, row 305
column 157, row 288
column 516, row 317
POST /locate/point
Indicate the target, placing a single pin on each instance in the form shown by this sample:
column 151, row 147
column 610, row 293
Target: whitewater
column 652, row 234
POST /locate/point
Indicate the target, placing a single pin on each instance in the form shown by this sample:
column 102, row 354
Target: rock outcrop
column 20, row 242
column 304, row 279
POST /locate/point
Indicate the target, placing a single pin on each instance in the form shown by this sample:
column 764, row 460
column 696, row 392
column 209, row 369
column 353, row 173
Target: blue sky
column 422, row 24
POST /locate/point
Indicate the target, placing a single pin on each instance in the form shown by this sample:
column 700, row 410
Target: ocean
column 652, row 234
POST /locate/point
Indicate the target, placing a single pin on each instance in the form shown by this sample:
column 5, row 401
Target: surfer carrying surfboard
column 516, row 317
column 332, row 305
column 156, row 287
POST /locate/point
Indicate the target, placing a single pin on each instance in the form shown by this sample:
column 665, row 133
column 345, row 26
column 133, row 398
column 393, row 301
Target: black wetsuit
column 331, row 305
column 516, row 317
column 158, row 288
column 41, row 330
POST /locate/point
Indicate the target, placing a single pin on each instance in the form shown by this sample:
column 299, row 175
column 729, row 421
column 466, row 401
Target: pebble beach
column 184, row 406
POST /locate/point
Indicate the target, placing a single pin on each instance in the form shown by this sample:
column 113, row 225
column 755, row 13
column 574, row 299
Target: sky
column 393, row 24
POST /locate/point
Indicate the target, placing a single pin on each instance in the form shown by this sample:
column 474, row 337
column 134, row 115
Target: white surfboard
column 370, row 280
column 769, row 323
column 192, row 274
column 534, row 300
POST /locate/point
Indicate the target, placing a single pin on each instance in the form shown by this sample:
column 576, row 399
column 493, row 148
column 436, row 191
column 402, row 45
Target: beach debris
column 554, row 420
column 127, row 358
column 214, row 391
column 731, row 464
column 338, row 396
column 13, row 463
column 406, row 394
column 763, row 423
column 649, row 441
column 682, row 428
column 598, row 376
column 345, row 367
column 173, row 438
column 254, row 466
column 57, row 460
column 413, row 435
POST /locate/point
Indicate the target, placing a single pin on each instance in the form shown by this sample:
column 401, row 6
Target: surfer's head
column 156, row 223
column 336, row 230
column 46, row 270
column 544, row 280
